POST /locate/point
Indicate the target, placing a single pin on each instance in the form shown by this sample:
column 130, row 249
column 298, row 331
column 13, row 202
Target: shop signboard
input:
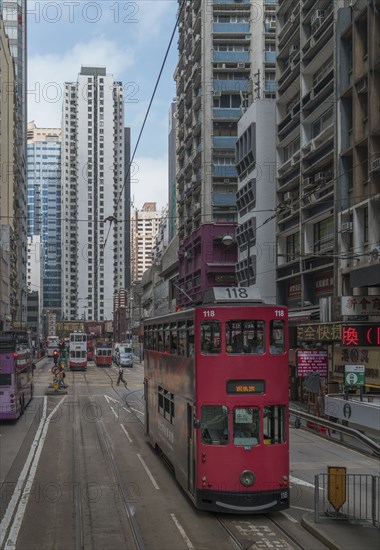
column 354, row 375
column 312, row 361
column 360, row 305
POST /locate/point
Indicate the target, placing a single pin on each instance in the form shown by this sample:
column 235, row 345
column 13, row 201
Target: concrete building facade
column 93, row 201
column 221, row 69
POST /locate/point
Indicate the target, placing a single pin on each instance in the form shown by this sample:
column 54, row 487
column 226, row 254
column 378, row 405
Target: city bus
column 103, row 354
column 78, row 351
column 16, row 374
column 52, row 344
column 216, row 400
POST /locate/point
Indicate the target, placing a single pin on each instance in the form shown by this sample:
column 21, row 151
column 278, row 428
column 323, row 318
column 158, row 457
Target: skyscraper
column 14, row 17
column 93, row 195
column 44, row 207
column 221, row 68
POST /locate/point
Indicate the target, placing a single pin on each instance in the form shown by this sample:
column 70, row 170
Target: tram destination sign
column 245, row 386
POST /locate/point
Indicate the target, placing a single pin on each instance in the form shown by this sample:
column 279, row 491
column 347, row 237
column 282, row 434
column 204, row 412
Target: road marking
column 126, row 433
column 107, row 399
column 114, row 413
column 182, row 531
column 148, row 471
column 22, row 478
column 128, row 411
column 19, row 516
column 289, row 517
column 136, row 410
column 300, row 482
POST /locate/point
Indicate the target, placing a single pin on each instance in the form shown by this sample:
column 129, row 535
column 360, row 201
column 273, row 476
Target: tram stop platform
column 343, row 535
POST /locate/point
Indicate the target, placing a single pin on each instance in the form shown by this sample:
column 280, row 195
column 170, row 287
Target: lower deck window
column 214, row 424
column 246, row 426
column 166, row 404
column 274, row 424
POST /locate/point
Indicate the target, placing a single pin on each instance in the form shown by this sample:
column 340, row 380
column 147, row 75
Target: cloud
column 47, row 74
column 149, row 181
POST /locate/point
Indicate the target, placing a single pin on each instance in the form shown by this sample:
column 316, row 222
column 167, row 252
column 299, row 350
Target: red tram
column 216, row 400
column 103, row 355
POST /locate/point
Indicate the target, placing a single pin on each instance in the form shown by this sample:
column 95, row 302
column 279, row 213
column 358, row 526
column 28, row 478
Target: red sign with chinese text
column 360, row 335
column 312, row 360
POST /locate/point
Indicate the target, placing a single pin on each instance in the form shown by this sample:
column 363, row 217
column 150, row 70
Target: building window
column 324, row 235
column 365, row 225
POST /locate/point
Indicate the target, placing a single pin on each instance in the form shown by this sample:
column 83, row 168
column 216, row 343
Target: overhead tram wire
column 112, row 219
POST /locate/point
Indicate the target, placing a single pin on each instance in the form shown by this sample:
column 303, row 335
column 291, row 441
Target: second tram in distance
column 216, row 398
column 78, row 351
column 103, row 355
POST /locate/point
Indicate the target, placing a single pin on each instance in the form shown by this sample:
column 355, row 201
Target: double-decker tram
column 16, row 374
column 78, row 351
column 216, row 400
column 52, row 345
column 103, row 355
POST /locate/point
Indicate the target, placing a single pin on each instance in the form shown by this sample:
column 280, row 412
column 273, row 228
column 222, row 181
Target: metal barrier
column 347, row 497
column 301, row 415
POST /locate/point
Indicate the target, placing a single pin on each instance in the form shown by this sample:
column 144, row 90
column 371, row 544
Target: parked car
column 124, row 359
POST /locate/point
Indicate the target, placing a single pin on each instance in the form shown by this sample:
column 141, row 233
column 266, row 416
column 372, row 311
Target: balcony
column 224, row 171
column 224, row 142
column 231, row 85
column 226, row 114
column 231, row 28
column 231, row 57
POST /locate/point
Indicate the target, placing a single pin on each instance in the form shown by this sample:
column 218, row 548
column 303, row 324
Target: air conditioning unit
column 293, row 49
column 217, row 93
column 375, row 253
column 272, row 24
column 288, row 197
column 347, row 227
column 247, row 37
column 376, row 165
column 317, row 17
column 312, row 94
column 197, row 206
column 320, row 177
column 226, row 180
column 313, row 145
column 193, row 178
column 362, row 86
column 312, row 42
column 241, row 65
column 308, row 183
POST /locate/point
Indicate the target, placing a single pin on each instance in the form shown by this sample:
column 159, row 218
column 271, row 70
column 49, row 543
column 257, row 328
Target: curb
column 309, row 524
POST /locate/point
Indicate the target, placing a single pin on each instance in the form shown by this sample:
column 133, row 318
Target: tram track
column 288, row 543
column 103, row 438
column 79, row 538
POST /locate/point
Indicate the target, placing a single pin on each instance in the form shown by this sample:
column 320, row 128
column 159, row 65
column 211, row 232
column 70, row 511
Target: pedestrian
column 55, row 357
column 120, row 377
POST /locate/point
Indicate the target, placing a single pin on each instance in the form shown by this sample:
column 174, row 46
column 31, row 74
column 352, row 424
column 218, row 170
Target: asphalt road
column 77, row 473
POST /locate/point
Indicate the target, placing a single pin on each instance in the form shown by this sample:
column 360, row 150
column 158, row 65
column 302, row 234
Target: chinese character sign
column 360, row 305
column 361, row 335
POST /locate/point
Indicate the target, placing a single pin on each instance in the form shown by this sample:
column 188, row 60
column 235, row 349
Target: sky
column 130, row 39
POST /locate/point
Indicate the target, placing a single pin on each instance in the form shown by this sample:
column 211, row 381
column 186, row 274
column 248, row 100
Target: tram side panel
column 169, row 390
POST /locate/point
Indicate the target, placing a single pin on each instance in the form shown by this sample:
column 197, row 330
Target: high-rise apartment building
column 306, row 145
column 44, row 208
column 8, row 224
column 93, row 200
column 328, row 153
column 14, row 18
column 144, row 229
column 358, row 152
column 221, row 68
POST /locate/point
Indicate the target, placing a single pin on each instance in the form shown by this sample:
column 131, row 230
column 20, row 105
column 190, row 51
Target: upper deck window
column 210, row 336
column 277, row 337
column 245, row 337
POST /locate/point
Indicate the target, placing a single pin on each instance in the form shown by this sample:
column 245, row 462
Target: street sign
column 354, row 375
column 336, row 486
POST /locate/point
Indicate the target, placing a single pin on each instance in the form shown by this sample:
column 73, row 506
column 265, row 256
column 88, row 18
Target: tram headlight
column 247, row 478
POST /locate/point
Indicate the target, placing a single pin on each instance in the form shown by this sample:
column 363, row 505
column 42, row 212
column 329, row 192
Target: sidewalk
column 343, row 535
